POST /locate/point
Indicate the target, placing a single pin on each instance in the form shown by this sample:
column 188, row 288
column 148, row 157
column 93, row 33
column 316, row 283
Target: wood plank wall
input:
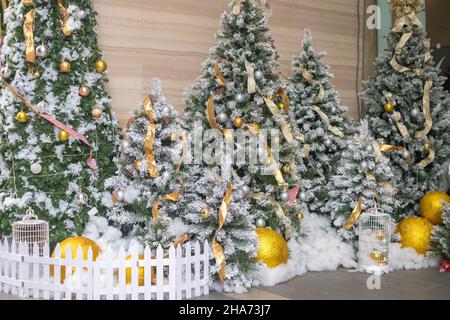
column 169, row 39
column 438, row 25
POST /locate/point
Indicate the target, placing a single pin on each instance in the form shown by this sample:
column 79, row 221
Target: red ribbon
column 445, row 266
column 293, row 194
column 90, row 161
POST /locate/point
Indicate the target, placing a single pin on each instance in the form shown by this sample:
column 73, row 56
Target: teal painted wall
column 386, row 23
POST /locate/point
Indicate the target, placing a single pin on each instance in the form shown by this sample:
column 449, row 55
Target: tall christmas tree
column 360, row 183
column 318, row 115
column 146, row 190
column 240, row 96
column 57, row 132
column 409, row 109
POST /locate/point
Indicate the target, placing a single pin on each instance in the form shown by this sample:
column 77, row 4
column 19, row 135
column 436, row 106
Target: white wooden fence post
column 122, row 269
column 78, row 275
column 188, row 271
column 172, row 273
column 89, row 274
column 206, row 267
column 159, row 273
column 148, row 273
column 36, row 271
column 68, row 262
column 96, row 267
column 134, row 274
column 179, row 273
column 57, row 272
column 23, row 269
column 46, row 271
column 197, row 270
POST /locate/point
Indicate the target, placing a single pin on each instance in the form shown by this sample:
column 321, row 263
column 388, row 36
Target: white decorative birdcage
column 374, row 241
column 31, row 230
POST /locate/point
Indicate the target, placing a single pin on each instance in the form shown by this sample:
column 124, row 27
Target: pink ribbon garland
column 445, row 266
column 90, row 161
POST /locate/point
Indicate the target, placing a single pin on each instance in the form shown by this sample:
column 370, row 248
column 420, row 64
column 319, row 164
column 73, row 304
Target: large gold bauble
column 272, row 248
column 85, row 91
column 100, row 66
column 22, row 117
column 65, row 67
column 432, row 205
column 389, row 107
column 238, row 122
column 97, row 112
column 141, row 273
column 74, row 243
column 63, row 136
column 415, row 232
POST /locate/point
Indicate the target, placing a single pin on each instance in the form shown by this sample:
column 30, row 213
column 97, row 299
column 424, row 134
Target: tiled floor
column 342, row 284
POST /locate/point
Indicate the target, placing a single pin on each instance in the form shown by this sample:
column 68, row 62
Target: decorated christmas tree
column 57, row 132
column 441, row 234
column 146, row 190
column 240, row 99
column 318, row 115
column 360, row 183
column 409, row 109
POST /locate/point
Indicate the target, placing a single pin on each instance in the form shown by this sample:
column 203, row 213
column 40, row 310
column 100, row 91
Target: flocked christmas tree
column 360, row 183
column 318, row 117
column 409, row 109
column 57, row 132
column 441, row 234
column 148, row 185
column 240, row 95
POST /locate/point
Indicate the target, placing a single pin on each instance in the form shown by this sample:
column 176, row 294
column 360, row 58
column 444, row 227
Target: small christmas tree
column 318, row 115
column 360, row 182
column 409, row 109
column 146, row 190
column 57, row 132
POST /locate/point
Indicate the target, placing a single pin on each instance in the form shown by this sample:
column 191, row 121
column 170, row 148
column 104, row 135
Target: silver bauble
column 245, row 189
column 36, row 168
column 302, row 196
column 406, row 154
column 240, row 98
column 333, row 110
column 260, row 223
column 41, row 51
column 369, row 148
column 364, row 165
column 6, row 73
column 284, row 196
column 125, row 145
column 42, row 106
column 320, row 132
column 259, row 75
column 166, row 110
column 121, row 195
column 222, row 117
column 328, row 143
column 166, row 175
column 415, row 113
column 81, row 14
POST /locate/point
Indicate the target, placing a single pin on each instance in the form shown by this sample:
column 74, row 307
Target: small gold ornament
column 389, row 107
column 271, row 97
column 63, row 136
column 37, row 74
column 272, row 248
column 415, row 232
column 299, row 216
column 85, row 91
column 74, row 243
column 205, row 213
column 238, row 122
column 287, row 168
column 65, row 67
column 432, row 205
column 427, row 147
column 280, row 106
column 100, row 66
column 379, row 235
column 141, row 273
column 97, row 112
column 138, row 165
column 22, row 117
column 377, row 256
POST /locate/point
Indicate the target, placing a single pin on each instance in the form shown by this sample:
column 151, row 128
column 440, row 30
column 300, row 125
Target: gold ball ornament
column 389, row 107
column 377, row 256
column 37, row 74
column 287, row 168
column 141, row 273
column 100, row 66
column 138, row 165
column 280, row 106
column 205, row 213
column 63, row 136
column 97, row 112
column 427, row 147
column 299, row 216
column 22, row 117
column 415, row 232
column 271, row 97
column 272, row 248
column 85, row 91
column 65, row 67
column 432, row 205
column 74, row 243
column 238, row 122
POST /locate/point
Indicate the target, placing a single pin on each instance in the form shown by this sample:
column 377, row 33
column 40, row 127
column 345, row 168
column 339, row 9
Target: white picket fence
column 181, row 273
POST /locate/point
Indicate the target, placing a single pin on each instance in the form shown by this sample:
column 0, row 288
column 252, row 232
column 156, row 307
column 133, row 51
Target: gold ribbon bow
column 405, row 12
column 217, row 248
column 260, row 4
column 64, row 17
column 168, row 197
column 327, row 123
column 251, row 83
column 150, row 138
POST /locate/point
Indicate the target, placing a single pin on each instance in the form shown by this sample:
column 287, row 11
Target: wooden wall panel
column 437, row 18
column 169, row 39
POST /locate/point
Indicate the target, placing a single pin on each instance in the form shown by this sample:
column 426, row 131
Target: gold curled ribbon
column 428, row 160
column 388, row 187
column 370, row 176
column 150, row 138
column 283, row 123
column 211, row 114
column 64, row 18
column 217, row 248
column 181, row 240
column 389, row 148
column 426, row 110
column 168, row 197
column 405, row 12
column 219, row 77
column 309, row 77
column 28, row 31
column 306, row 150
column 354, row 216
column 251, row 83
column 276, row 171
column 401, row 127
column 254, row 128
column 327, row 123
column 426, row 56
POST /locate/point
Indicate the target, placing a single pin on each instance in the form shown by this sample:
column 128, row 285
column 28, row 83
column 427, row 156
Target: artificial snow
column 409, row 259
